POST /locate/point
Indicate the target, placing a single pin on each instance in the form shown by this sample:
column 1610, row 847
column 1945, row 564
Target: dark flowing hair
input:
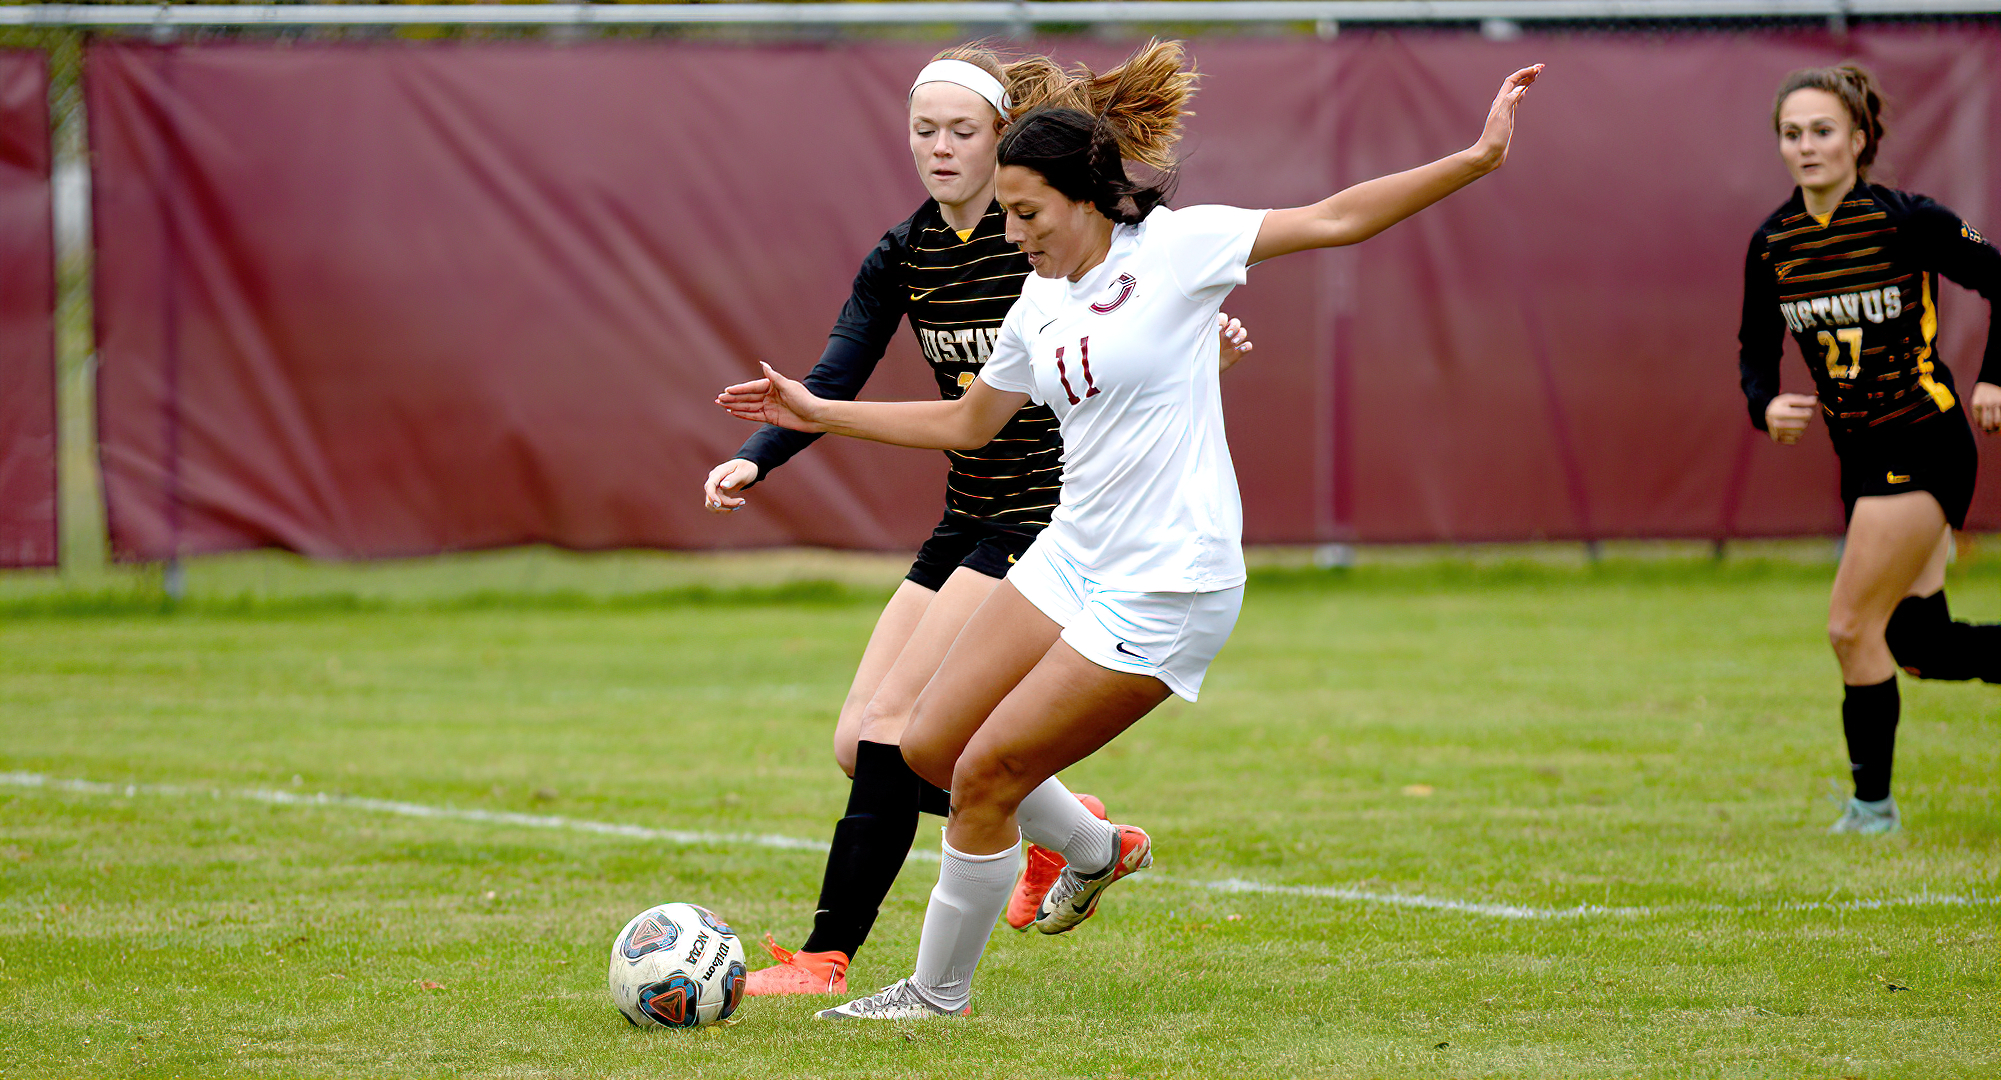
column 1858, row 93
column 1079, row 128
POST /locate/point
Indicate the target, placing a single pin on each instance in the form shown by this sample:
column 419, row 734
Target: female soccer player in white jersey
column 1136, row 583
column 948, row 270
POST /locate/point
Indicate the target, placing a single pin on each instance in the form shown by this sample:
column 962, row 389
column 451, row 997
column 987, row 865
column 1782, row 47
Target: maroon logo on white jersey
column 1125, row 284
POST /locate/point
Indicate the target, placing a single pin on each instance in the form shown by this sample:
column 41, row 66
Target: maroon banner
column 27, row 311
column 363, row 302
column 1551, row 353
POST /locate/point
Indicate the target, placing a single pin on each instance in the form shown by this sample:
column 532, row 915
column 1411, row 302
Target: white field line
column 793, row 843
column 420, row 810
column 1407, row 900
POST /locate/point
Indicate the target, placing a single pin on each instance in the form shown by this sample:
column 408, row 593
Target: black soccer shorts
column 977, row 545
column 1936, row 455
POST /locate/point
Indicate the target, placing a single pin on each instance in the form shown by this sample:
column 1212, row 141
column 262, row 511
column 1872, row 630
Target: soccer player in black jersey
column 1851, row 269
column 949, row 270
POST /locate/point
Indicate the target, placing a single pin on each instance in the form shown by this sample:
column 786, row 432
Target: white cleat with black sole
column 1074, row 898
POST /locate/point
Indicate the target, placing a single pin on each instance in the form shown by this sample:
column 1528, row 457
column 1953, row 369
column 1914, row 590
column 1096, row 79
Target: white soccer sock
column 1052, row 816
column 969, row 896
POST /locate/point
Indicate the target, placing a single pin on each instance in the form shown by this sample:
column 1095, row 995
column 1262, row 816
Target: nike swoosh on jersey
column 1122, row 648
column 1046, row 325
column 1895, row 479
column 916, row 296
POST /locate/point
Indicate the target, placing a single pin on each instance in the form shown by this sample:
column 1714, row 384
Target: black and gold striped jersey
column 955, row 292
column 1859, row 293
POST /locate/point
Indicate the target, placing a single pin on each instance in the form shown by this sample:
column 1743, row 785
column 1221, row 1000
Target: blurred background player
column 1129, row 593
column 949, row 269
column 1851, row 269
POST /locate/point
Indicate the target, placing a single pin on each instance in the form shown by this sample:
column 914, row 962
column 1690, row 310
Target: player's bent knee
column 991, row 779
column 929, row 760
column 847, row 732
column 1845, row 634
column 883, row 726
column 1925, row 641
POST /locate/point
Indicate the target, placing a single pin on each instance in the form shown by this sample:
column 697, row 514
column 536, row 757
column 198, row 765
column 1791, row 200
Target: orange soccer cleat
column 1038, row 873
column 799, row 972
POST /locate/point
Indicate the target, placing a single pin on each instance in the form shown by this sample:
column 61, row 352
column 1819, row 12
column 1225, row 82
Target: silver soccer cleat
column 897, row 1001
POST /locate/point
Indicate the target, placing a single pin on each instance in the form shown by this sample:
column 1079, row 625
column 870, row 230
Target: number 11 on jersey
column 1084, row 361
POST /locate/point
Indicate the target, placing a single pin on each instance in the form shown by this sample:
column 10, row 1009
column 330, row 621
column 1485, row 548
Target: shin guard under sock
column 1869, row 719
column 1929, row 644
column 870, row 844
column 971, row 892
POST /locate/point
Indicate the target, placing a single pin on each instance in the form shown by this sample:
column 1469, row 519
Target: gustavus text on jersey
column 972, row 345
column 1844, row 309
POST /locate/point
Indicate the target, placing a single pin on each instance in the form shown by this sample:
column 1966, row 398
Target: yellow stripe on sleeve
column 1928, row 325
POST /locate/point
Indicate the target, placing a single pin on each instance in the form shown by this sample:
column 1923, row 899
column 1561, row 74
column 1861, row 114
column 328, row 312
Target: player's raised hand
column 725, row 480
column 773, row 399
column 1987, row 406
column 1492, row 149
column 1787, row 417
column 1233, row 341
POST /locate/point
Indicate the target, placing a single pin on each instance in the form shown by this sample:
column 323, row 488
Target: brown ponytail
column 1078, row 129
column 1141, row 101
column 1858, row 93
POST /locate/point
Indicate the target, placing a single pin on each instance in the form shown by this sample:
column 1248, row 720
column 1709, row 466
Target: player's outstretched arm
column 967, row 423
column 1354, row 214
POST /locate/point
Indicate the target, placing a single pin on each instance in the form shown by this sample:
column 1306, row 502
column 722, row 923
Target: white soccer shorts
column 1171, row 636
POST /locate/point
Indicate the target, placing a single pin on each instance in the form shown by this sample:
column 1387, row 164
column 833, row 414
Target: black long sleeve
column 1958, row 251
column 1761, row 334
column 860, row 336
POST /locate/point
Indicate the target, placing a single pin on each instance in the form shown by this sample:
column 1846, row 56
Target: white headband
column 967, row 75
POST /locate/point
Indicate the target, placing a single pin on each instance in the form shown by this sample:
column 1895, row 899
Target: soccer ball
column 676, row 965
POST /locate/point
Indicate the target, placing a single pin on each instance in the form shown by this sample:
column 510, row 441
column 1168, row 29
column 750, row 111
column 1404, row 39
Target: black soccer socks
column 1929, row 644
column 870, row 844
column 1869, row 719
column 934, row 800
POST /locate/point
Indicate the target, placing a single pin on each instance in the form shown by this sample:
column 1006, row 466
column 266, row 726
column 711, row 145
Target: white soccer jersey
column 1126, row 358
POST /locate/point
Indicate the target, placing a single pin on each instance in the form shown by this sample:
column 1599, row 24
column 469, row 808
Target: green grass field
column 1622, row 770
